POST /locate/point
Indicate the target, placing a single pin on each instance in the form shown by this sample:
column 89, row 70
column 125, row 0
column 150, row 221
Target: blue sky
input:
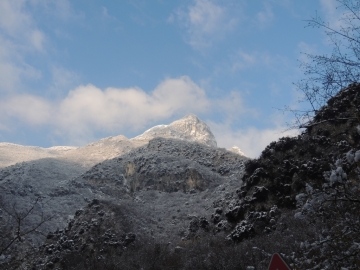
column 72, row 72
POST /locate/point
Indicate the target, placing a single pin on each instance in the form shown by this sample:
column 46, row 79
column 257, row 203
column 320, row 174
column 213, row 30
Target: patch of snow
column 9, row 144
column 300, row 196
column 338, row 163
column 308, row 207
column 337, row 175
column 309, row 189
column 62, row 148
column 152, row 129
column 350, row 156
column 357, row 156
column 236, row 150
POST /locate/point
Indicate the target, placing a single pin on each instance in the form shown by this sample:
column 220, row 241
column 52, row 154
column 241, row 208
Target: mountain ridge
column 189, row 128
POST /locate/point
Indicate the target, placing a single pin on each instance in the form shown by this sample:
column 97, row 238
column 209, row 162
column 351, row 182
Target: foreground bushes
column 209, row 252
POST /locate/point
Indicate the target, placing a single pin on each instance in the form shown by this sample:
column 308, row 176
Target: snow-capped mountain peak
column 189, row 128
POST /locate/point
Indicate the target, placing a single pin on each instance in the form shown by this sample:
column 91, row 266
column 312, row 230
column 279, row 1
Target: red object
column 277, row 263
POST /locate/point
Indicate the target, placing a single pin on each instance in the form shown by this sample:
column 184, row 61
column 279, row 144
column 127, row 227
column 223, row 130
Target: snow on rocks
column 357, row 156
column 337, row 176
column 242, row 231
column 350, row 156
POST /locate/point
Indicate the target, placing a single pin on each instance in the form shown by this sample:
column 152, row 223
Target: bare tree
column 326, row 75
column 15, row 226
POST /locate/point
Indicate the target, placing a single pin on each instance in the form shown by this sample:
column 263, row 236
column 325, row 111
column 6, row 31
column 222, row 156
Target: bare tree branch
column 17, row 229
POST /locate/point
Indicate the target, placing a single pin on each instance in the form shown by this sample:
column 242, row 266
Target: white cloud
column 244, row 60
column 37, row 39
column 305, row 49
column 30, row 109
column 88, row 109
column 232, row 107
column 133, row 108
column 12, row 17
column 330, row 8
column 12, row 67
column 265, row 17
column 105, row 14
column 204, row 21
column 334, row 14
column 252, row 141
column 19, row 36
column 19, row 24
column 205, row 15
column 61, row 9
column 9, row 76
column 62, row 80
column 171, row 18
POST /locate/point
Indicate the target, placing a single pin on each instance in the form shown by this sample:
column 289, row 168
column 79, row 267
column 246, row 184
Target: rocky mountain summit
column 189, row 128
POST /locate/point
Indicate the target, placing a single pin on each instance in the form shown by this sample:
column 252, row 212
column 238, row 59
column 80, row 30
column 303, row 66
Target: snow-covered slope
column 13, row 153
